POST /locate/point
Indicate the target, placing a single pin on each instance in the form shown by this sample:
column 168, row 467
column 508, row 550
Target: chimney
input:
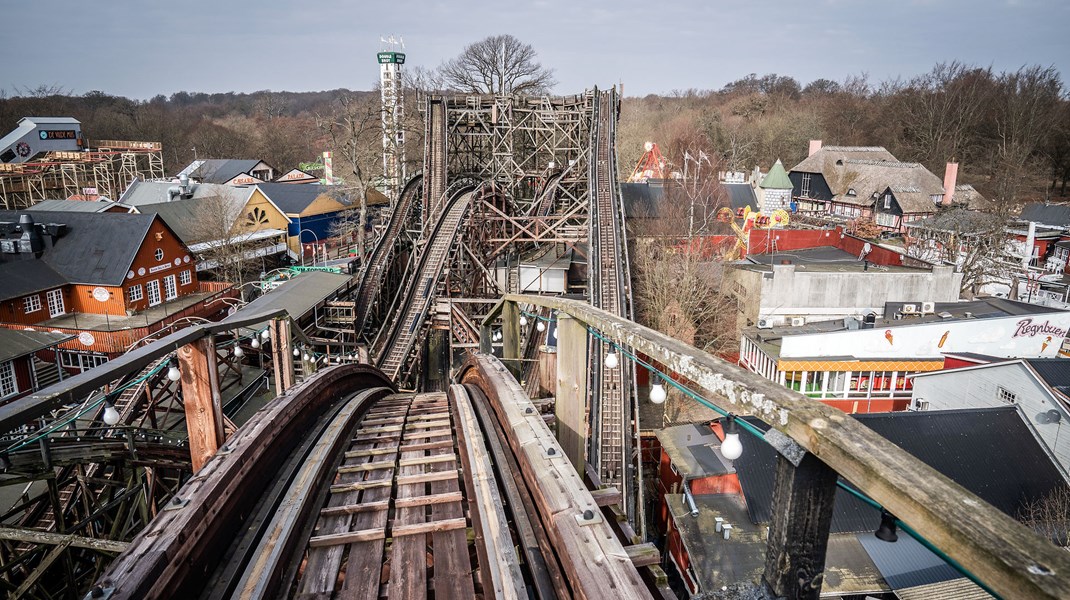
column 31, row 241
column 951, row 175
column 815, row 145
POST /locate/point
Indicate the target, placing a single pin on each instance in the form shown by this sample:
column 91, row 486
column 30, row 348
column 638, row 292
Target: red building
column 20, row 371
column 108, row 279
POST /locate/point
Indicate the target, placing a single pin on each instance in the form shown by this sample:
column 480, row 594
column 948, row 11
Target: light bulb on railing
column 731, row 447
column 306, row 356
column 173, row 373
column 611, row 359
column 265, row 334
column 297, row 352
column 540, row 326
column 523, row 321
column 255, row 343
column 657, row 393
column 238, row 352
column 555, row 332
column 111, row 416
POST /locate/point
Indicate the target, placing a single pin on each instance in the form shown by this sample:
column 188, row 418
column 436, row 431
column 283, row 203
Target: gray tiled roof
column 15, row 343
column 97, row 249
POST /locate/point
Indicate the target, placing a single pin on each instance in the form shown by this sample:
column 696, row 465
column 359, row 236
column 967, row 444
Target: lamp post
column 302, row 243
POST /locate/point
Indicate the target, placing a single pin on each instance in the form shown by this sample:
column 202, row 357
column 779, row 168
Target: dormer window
column 887, row 201
column 851, row 192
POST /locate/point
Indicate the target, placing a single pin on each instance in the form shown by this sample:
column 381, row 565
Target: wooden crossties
column 1007, row 556
column 394, row 523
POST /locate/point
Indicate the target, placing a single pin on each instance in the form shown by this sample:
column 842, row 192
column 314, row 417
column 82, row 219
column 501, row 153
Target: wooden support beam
column 34, row 536
column 511, row 337
column 1010, row 558
column 571, row 405
column 348, row 537
column 428, row 500
column 430, row 527
column 606, row 496
column 643, row 555
column 803, row 498
column 281, row 354
column 201, row 399
column 39, row 571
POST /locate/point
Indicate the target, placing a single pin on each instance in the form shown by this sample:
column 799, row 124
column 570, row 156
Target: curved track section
column 379, row 261
column 413, row 311
column 169, row 558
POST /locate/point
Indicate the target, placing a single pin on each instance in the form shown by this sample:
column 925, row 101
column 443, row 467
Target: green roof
column 777, row 179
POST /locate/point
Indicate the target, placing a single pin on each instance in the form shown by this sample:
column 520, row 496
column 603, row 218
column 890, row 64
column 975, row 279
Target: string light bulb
column 111, row 416
column 306, row 356
column 731, row 447
column 540, row 326
column 657, row 393
column 238, row 352
column 523, row 321
column 255, row 343
column 265, row 334
column 611, row 359
column 297, row 352
column 173, row 373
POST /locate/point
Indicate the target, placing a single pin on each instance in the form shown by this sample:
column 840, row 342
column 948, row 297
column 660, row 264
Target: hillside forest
column 1010, row 130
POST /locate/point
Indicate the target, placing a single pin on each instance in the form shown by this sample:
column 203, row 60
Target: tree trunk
column 360, row 225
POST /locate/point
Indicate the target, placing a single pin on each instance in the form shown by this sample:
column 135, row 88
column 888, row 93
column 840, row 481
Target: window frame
column 152, row 289
column 1005, row 395
column 56, row 295
column 28, row 301
column 9, row 385
column 170, row 288
column 130, row 293
column 185, row 277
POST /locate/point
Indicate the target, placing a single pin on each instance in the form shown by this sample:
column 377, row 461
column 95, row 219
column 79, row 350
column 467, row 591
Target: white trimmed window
column 1006, row 395
column 185, row 277
column 135, row 292
column 153, row 288
column 170, row 290
column 9, row 386
column 158, row 254
column 55, row 303
column 805, row 191
column 32, row 303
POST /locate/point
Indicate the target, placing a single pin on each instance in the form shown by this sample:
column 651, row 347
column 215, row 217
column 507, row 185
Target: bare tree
column 229, row 236
column 975, row 243
column 354, row 133
column 1050, row 516
column 498, row 64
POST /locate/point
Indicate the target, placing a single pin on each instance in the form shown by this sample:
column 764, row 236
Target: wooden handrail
column 1006, row 555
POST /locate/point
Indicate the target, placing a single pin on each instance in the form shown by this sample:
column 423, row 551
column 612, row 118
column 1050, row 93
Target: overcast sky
column 140, row 48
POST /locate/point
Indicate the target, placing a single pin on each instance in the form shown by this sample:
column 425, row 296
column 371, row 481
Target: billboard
column 1017, row 336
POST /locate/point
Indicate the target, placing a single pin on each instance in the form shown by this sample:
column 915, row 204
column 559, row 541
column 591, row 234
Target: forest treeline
column 1010, row 130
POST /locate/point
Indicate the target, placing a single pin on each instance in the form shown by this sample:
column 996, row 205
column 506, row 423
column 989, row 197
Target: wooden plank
column 1011, row 558
column 428, row 527
column 347, row 537
column 426, row 477
column 427, row 446
column 35, row 536
column 428, row 459
column 201, row 399
column 382, row 429
column 371, row 466
column 341, row 488
column 428, row 499
column 427, row 436
column 643, row 555
column 606, row 496
column 371, row 451
column 499, row 561
column 352, row 509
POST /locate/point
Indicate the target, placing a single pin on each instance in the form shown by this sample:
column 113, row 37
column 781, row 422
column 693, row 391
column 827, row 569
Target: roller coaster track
column 343, row 488
column 379, row 260
column 609, row 290
column 420, row 293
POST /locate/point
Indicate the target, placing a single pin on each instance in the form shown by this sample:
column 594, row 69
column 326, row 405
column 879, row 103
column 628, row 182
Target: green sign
column 391, row 57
